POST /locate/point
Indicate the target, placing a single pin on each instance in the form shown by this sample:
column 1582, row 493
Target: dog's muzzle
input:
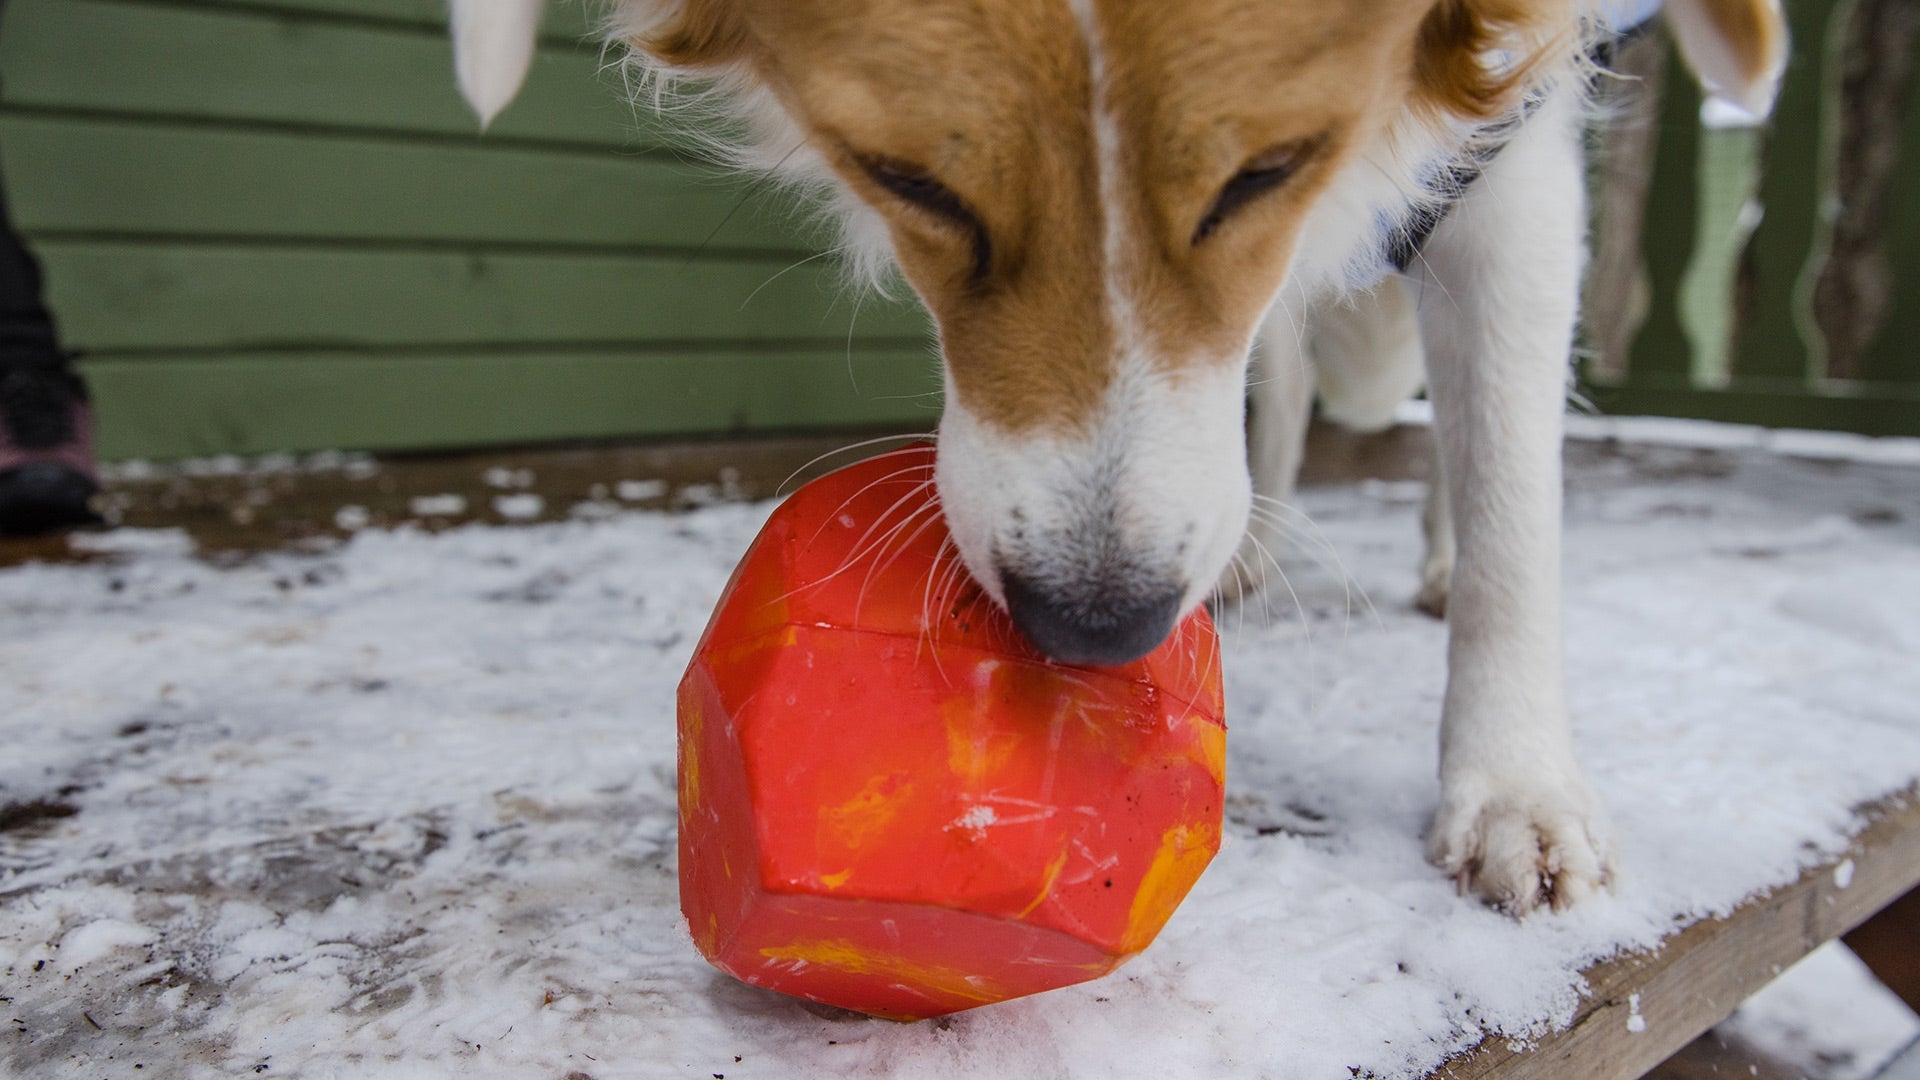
column 1103, row 622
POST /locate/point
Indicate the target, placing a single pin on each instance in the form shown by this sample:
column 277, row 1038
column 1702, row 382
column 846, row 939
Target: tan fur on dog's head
column 994, row 102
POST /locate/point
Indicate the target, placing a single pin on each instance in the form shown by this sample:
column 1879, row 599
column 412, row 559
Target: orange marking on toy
column 691, row 723
column 858, row 821
column 1184, row 852
column 1047, row 883
column 1212, row 748
column 975, row 750
column 836, row 881
column 933, row 979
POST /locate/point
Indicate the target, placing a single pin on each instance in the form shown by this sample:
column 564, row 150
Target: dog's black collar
column 1407, row 236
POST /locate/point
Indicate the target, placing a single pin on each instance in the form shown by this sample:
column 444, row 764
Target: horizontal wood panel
column 258, row 404
column 1872, row 409
column 148, row 179
column 219, row 63
column 565, row 20
column 118, row 297
column 272, row 226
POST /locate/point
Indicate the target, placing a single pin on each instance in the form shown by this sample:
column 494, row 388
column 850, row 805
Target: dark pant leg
column 39, row 391
column 26, row 328
column 46, row 445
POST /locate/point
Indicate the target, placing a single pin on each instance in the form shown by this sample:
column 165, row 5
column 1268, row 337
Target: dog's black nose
column 1105, row 625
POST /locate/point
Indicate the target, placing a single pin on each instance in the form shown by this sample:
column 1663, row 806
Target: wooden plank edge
column 1699, row 975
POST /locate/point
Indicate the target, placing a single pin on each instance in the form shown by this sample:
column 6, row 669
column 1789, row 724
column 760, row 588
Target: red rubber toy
column 890, row 802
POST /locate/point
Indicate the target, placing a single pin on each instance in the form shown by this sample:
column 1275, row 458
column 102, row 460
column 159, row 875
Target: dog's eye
column 915, row 185
column 1264, row 173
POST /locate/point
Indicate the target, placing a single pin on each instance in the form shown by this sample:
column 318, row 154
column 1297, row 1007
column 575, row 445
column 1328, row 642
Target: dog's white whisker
column 870, row 551
column 815, row 257
column 1324, row 552
column 896, row 475
column 851, row 447
column 853, row 320
column 932, row 593
column 860, row 548
column 1322, row 549
column 931, row 513
column 1252, row 592
column 1306, row 623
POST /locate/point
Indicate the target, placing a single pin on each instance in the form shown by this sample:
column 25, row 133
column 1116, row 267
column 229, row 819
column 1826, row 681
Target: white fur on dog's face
column 1097, row 200
column 1131, row 520
column 1099, row 536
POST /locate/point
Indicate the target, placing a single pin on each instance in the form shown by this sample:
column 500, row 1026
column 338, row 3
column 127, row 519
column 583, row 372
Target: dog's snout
column 1105, row 624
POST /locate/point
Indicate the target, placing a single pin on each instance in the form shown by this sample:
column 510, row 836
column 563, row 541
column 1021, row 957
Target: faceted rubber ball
column 890, row 802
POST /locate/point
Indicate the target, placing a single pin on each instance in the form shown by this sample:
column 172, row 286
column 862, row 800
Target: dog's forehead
column 1016, row 65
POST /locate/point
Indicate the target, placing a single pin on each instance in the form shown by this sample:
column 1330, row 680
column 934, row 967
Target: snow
column 640, row 490
column 1707, row 434
column 97, row 940
column 405, row 808
column 522, row 507
column 1827, row 1017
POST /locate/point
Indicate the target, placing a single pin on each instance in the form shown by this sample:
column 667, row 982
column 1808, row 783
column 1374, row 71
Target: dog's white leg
column 1436, row 524
column 1368, row 356
column 1517, row 822
column 1280, row 392
column 1369, row 359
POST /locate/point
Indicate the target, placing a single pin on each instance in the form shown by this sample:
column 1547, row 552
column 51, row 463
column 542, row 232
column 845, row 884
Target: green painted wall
column 271, row 225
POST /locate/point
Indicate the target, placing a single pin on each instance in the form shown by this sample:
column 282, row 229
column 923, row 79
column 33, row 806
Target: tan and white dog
column 1104, row 203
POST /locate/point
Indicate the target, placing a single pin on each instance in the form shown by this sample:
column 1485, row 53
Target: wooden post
column 1617, row 290
column 1774, row 344
column 1853, row 292
column 1889, row 943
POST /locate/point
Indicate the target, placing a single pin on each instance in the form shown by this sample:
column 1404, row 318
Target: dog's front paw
column 1521, row 848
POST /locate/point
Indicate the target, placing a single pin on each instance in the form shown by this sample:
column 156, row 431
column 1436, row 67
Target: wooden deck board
column 1703, row 972
column 1696, row 979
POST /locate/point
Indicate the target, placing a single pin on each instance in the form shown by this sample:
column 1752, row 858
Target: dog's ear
column 1737, row 47
column 493, row 42
column 692, row 35
column 1474, row 57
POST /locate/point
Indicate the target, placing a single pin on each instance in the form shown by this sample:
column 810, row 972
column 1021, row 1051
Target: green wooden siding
column 271, row 225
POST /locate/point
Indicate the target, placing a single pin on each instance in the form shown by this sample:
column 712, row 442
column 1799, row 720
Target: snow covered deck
column 403, row 806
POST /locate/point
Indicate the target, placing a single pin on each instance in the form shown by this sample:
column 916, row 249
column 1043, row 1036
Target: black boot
column 47, row 472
